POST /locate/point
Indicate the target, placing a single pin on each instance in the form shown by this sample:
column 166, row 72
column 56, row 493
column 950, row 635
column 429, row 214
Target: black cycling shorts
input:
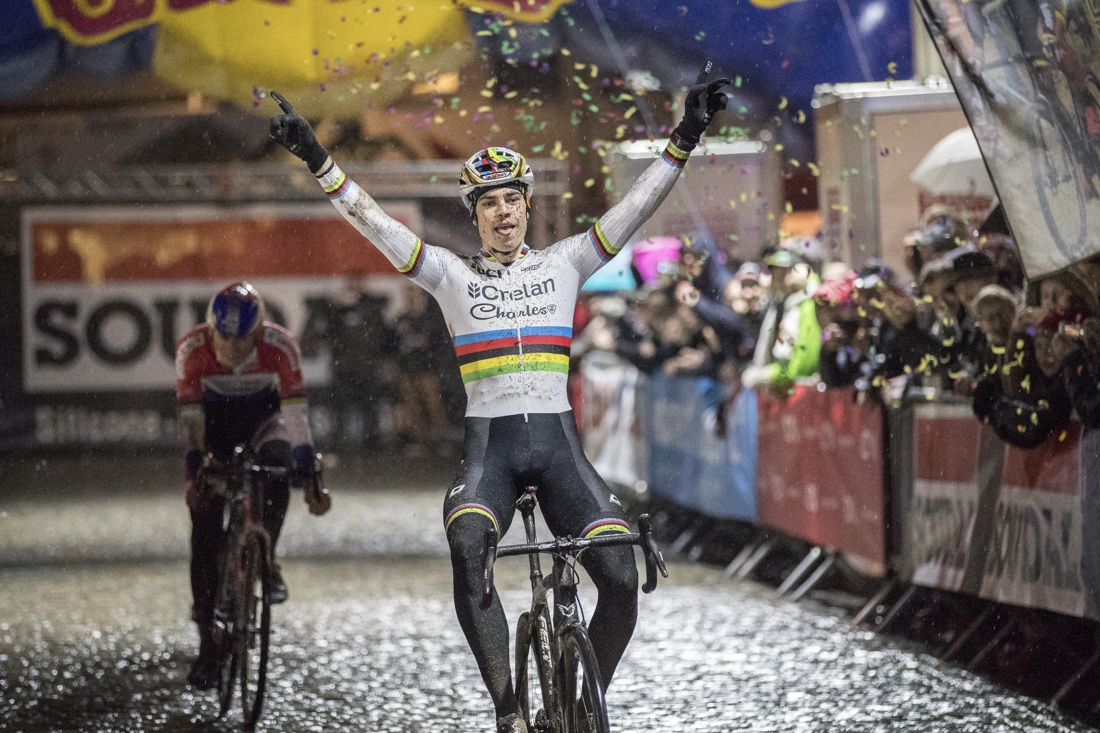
column 504, row 455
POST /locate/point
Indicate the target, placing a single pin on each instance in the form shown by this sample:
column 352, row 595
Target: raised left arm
column 592, row 250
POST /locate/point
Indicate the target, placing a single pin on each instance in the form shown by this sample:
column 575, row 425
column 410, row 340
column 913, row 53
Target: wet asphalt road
column 95, row 637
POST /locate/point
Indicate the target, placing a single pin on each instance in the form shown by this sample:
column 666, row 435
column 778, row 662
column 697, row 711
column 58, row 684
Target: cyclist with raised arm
column 239, row 382
column 510, row 310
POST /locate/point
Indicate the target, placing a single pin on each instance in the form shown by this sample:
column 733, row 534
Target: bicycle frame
column 245, row 493
column 553, row 638
column 568, row 546
column 562, row 581
column 246, row 557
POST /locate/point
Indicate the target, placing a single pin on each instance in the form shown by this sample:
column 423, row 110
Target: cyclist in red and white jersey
column 239, row 382
column 510, row 312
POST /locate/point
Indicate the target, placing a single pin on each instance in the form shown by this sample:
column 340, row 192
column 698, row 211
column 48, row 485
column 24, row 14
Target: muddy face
column 501, row 220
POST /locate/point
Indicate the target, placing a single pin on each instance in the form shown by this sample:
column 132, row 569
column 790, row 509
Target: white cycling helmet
column 493, row 167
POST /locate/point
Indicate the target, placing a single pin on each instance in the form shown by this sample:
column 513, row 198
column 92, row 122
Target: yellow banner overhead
column 527, row 11
column 326, row 56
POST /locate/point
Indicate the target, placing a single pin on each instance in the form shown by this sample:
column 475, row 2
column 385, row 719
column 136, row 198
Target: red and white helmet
column 493, row 167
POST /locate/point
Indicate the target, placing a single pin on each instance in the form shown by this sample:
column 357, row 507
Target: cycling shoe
column 204, row 670
column 511, row 724
column 278, row 586
column 203, row 674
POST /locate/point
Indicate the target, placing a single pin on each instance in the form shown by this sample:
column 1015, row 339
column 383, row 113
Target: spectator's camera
column 870, row 282
column 1073, row 330
column 668, row 268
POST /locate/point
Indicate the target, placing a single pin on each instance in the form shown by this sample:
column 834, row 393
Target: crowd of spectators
column 393, row 377
column 961, row 322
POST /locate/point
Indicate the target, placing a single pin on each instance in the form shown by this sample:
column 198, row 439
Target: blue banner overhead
column 775, row 51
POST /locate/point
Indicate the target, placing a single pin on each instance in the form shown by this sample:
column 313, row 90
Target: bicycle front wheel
column 255, row 628
column 535, row 675
column 225, row 626
column 583, row 705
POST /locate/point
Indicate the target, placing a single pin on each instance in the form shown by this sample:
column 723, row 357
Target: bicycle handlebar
column 654, row 560
column 220, row 470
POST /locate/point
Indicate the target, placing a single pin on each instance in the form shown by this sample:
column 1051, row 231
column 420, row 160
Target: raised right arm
column 422, row 263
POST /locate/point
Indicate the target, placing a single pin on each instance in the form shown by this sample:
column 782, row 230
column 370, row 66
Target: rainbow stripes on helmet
column 494, row 167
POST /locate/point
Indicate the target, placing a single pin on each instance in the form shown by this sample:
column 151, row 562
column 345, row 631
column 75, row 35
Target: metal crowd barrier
column 920, row 494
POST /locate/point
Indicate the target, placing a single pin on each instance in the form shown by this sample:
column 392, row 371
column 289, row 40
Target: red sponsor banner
column 996, row 521
column 1053, row 466
column 90, row 22
column 819, row 472
column 1034, row 555
column 947, row 457
column 946, row 448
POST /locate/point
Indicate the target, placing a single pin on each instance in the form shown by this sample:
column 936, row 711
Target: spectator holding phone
column 700, row 285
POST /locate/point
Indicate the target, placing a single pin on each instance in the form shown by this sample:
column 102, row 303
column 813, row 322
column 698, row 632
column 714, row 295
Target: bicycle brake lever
column 654, row 560
column 490, row 560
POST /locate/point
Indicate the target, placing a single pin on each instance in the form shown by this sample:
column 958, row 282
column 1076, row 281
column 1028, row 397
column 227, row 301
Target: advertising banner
column 1090, row 527
column 608, row 429
column 947, row 457
column 1025, row 72
column 692, row 460
column 1034, row 556
column 108, row 291
column 820, row 473
column 998, row 522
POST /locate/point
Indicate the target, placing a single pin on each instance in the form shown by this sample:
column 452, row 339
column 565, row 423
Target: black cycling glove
column 702, row 102
column 292, row 132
